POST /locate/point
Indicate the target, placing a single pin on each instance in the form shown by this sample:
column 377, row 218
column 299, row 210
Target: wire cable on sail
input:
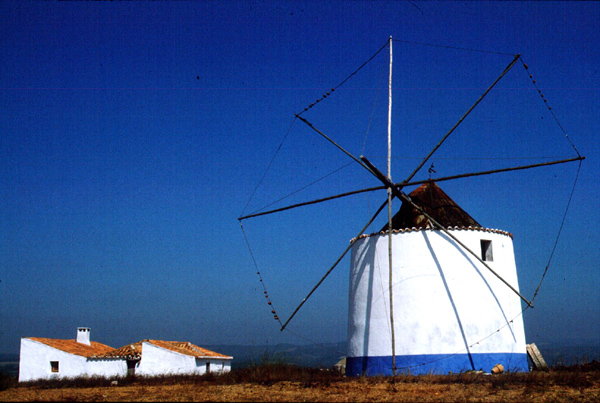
column 383, row 71
column 299, row 190
column 268, row 166
column 332, row 142
column 548, row 106
column 269, row 302
column 562, row 223
column 454, row 47
column 343, row 81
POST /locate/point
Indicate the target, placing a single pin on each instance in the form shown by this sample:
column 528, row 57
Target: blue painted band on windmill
column 441, row 364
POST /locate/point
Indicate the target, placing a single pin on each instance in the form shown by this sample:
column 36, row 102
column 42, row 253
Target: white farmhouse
column 43, row 358
column 158, row 357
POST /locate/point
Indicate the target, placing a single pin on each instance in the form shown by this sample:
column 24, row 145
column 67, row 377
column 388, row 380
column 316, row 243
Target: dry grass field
column 280, row 382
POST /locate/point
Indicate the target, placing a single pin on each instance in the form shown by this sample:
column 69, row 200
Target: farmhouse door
column 131, row 367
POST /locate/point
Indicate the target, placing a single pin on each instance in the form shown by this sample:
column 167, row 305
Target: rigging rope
column 548, row 106
column 562, row 223
column 298, row 114
column 343, row 81
column 383, row 70
column 364, row 176
column 269, row 302
column 533, row 81
column 299, row 190
column 453, row 47
column 268, row 166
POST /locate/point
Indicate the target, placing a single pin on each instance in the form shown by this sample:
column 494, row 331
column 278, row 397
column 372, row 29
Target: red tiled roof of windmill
column 437, row 204
column 73, row 347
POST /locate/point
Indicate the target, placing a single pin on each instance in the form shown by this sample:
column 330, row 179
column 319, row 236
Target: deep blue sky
column 134, row 133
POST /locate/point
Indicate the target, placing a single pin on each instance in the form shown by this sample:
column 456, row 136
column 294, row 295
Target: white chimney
column 83, row 335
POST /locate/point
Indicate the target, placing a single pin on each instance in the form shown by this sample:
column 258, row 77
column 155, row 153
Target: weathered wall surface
column 448, row 307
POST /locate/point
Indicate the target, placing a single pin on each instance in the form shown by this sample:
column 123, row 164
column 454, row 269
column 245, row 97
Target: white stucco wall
column 443, row 297
column 36, row 357
column 159, row 361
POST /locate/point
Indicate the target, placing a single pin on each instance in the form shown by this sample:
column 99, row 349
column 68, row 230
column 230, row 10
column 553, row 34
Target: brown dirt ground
column 338, row 391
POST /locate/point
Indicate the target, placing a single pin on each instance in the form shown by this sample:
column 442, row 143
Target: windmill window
column 487, row 254
column 54, row 366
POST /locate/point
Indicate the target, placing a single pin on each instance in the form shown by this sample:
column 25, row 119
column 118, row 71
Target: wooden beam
column 403, row 184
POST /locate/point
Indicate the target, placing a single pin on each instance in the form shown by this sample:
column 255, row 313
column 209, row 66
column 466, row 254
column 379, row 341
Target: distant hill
column 9, row 364
column 324, row 355
column 9, row 357
column 569, row 354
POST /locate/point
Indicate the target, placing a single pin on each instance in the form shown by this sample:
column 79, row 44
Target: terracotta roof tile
column 130, row 351
column 186, row 348
column 73, row 347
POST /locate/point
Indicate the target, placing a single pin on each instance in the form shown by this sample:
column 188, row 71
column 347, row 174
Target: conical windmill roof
column 437, row 204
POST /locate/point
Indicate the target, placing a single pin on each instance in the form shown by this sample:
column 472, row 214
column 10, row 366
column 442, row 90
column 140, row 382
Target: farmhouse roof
column 437, row 204
column 130, row 351
column 134, row 351
column 73, row 347
column 187, row 348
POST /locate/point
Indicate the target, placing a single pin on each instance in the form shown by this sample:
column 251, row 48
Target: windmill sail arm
column 335, row 264
column 292, row 206
column 332, row 142
column 511, row 64
column 402, row 184
column 495, row 171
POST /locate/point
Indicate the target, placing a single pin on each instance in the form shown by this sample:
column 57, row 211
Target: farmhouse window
column 54, row 366
column 207, row 367
column 487, row 254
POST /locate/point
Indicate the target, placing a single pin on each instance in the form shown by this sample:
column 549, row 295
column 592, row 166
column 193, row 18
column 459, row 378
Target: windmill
column 452, row 301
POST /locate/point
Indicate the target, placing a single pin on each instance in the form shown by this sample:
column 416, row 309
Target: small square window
column 487, row 254
column 54, row 366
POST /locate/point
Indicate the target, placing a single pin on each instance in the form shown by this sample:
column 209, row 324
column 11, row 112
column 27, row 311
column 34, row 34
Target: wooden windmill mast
column 390, row 216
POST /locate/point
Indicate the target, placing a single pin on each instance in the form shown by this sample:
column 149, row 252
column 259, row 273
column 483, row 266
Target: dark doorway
column 131, row 364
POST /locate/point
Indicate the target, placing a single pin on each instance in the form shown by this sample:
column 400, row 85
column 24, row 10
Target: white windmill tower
column 452, row 301
column 445, row 300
